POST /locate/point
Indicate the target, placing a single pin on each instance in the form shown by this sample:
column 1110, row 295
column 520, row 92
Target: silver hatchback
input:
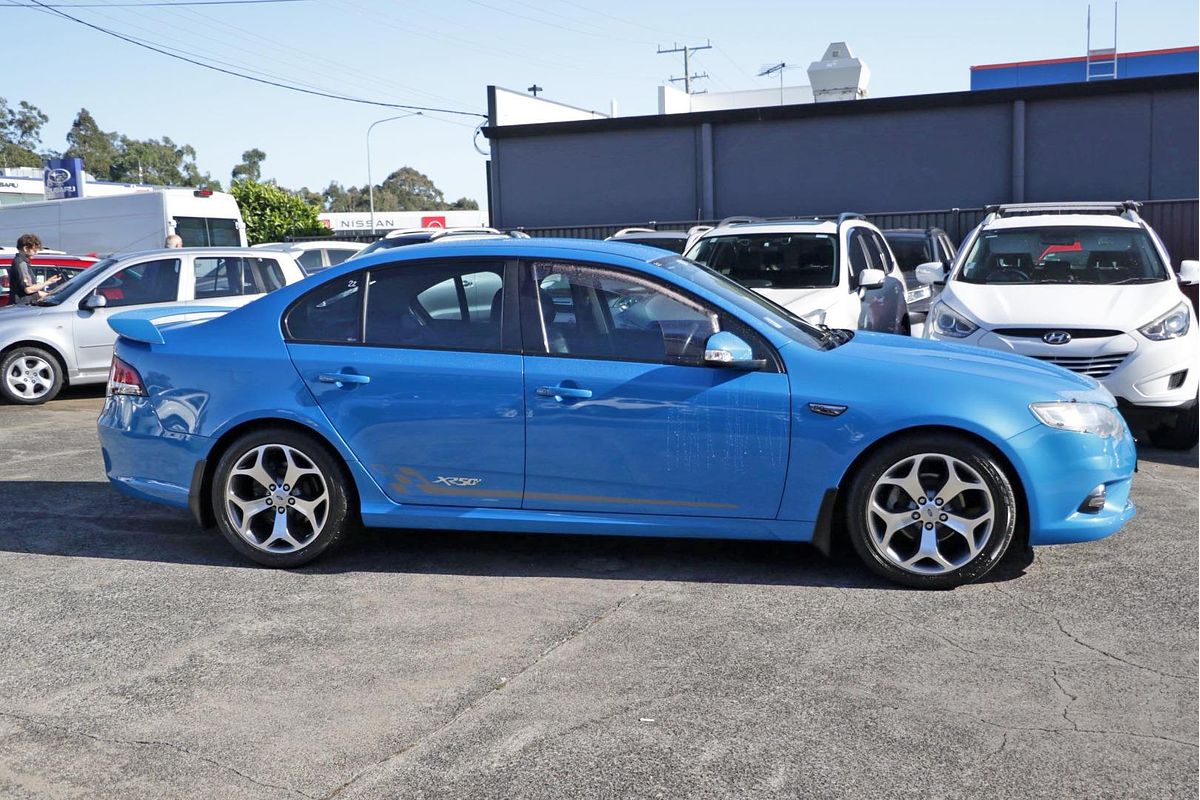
column 65, row 337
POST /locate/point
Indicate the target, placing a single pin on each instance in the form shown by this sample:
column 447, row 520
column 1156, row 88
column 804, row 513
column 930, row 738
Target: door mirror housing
column 1189, row 272
column 931, row 273
column 871, row 278
column 725, row 349
column 94, row 301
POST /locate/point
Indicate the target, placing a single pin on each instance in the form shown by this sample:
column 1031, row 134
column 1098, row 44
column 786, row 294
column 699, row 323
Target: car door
column 890, row 297
column 622, row 416
column 420, row 377
column 141, row 284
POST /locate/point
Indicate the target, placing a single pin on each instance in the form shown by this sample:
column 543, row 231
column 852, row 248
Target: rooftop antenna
column 1101, row 63
column 771, row 69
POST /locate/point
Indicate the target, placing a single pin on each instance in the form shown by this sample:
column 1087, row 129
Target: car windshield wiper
column 833, row 337
column 1140, row 279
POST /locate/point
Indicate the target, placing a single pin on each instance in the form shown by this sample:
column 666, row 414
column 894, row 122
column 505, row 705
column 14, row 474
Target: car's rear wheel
column 30, row 375
column 931, row 511
column 281, row 497
column 1178, row 430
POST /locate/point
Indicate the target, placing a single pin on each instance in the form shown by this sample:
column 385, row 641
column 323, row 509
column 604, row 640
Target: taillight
column 124, row 379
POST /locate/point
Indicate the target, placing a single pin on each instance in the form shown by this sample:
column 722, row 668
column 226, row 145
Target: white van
column 126, row 223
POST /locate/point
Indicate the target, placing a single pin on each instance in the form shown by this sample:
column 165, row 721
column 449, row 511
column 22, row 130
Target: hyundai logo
column 1056, row 337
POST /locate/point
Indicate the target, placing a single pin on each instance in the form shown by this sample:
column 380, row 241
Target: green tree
column 272, row 213
column 464, row 204
column 159, row 162
column 406, row 189
column 97, row 148
column 251, row 167
column 20, row 134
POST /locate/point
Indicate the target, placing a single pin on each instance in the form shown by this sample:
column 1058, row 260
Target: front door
column 139, row 285
column 415, row 367
column 622, row 415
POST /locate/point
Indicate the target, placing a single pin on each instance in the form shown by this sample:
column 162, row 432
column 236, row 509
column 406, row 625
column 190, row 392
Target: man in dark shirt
column 21, row 287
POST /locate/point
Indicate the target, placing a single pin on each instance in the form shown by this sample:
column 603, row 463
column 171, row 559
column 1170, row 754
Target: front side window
column 591, row 312
column 207, row 232
column 147, row 282
column 772, row 260
column 329, row 314
column 231, row 276
column 1066, row 254
column 860, row 257
column 450, row 306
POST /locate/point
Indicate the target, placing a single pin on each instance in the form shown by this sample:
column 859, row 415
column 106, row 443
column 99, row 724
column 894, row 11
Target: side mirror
column 871, row 278
column 94, row 301
column 930, row 273
column 725, row 349
column 1189, row 272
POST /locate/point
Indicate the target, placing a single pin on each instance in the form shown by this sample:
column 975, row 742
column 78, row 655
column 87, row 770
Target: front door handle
column 340, row 379
column 559, row 392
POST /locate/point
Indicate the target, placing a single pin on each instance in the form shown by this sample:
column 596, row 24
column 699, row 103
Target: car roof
column 619, row 235
column 776, row 226
column 911, row 231
column 319, row 244
column 505, row 246
column 1061, row 220
column 196, row 251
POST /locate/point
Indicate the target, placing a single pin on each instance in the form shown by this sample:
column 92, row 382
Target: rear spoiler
column 142, row 325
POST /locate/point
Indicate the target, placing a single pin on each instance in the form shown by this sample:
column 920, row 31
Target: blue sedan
column 561, row 386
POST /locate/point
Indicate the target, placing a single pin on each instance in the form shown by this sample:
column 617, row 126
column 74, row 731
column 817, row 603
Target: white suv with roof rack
column 839, row 273
column 1086, row 286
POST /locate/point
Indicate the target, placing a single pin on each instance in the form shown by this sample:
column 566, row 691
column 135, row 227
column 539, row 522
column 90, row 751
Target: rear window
column 207, row 232
column 910, row 251
column 772, row 260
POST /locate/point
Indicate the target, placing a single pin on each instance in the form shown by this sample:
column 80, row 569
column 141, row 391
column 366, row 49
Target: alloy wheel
column 29, row 377
column 276, row 498
column 930, row 514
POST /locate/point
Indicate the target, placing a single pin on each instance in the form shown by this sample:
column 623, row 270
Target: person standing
column 21, row 287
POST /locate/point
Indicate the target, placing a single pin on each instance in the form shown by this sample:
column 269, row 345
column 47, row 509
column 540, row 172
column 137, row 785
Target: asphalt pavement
column 140, row 657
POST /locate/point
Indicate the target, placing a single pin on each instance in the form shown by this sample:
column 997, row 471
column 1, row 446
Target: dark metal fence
column 1176, row 221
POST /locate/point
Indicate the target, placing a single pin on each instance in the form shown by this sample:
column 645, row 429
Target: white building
column 27, row 185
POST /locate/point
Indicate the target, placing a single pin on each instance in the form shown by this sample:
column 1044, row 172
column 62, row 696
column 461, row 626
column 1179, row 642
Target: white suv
column 1086, row 286
column 840, row 273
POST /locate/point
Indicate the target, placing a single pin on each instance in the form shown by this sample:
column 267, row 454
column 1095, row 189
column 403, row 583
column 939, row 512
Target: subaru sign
column 63, row 178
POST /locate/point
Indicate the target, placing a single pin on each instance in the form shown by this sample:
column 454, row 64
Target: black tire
column 1178, row 430
column 931, row 458
column 322, row 468
column 41, row 376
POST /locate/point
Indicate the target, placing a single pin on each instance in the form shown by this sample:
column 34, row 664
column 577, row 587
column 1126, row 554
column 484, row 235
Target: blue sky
column 446, row 53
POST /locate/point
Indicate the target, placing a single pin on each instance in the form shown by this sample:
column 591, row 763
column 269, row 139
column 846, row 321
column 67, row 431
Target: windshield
column 751, row 303
column 772, row 260
column 64, row 289
column 910, row 251
column 1066, row 254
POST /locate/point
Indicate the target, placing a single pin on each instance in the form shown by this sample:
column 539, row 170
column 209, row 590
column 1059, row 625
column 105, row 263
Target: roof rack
column 1027, row 209
column 845, row 215
column 624, row 231
column 738, row 221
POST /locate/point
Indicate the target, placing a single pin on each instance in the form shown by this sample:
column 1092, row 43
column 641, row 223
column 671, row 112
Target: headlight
column 950, row 323
column 816, row 317
column 1082, row 417
column 1172, row 325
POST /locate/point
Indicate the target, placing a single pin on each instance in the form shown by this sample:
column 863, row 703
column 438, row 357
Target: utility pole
column 688, row 77
column 533, row 90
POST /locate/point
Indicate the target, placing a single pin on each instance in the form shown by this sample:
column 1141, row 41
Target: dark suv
column 912, row 247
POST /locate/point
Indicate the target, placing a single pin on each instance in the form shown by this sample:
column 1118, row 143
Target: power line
column 236, row 74
column 688, row 77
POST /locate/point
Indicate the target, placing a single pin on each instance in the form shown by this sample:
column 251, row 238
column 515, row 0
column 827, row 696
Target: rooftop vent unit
column 838, row 75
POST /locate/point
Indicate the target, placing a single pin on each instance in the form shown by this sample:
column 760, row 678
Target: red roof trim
column 1165, row 51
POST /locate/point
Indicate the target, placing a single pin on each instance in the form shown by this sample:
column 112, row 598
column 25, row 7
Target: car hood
column 803, row 301
column 924, row 359
column 1070, row 305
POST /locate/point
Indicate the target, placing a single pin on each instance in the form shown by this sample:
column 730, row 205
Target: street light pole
column 370, row 185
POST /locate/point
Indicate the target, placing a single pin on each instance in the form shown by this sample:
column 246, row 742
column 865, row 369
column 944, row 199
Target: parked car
column 913, row 247
column 838, row 273
column 407, row 236
column 675, row 241
column 1086, row 286
column 65, row 338
column 315, row 256
column 593, row 387
column 44, row 267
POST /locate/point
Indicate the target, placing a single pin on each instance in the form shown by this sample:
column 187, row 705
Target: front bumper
column 1059, row 469
column 143, row 459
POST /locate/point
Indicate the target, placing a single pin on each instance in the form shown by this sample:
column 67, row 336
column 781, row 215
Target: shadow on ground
column 93, row 520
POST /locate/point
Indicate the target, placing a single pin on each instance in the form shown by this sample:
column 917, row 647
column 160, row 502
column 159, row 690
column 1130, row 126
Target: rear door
column 418, row 367
column 143, row 284
column 231, row 280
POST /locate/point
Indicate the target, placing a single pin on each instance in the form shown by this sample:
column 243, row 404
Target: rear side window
column 147, row 282
column 329, row 314
column 450, row 306
column 232, row 276
column 310, row 260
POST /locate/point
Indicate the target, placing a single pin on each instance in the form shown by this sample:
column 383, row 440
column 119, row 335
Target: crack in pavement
column 1085, row 645
column 151, row 743
column 1060, row 731
column 959, row 646
column 474, row 702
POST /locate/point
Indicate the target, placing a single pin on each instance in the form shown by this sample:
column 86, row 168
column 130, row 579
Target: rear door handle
column 559, row 392
column 340, row 379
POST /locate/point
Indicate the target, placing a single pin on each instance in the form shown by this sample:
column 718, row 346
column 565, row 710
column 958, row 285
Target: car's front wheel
column 280, row 497
column 931, row 511
column 29, row 375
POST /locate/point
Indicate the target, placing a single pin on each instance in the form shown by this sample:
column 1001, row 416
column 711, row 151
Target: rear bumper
column 141, row 458
column 1060, row 469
